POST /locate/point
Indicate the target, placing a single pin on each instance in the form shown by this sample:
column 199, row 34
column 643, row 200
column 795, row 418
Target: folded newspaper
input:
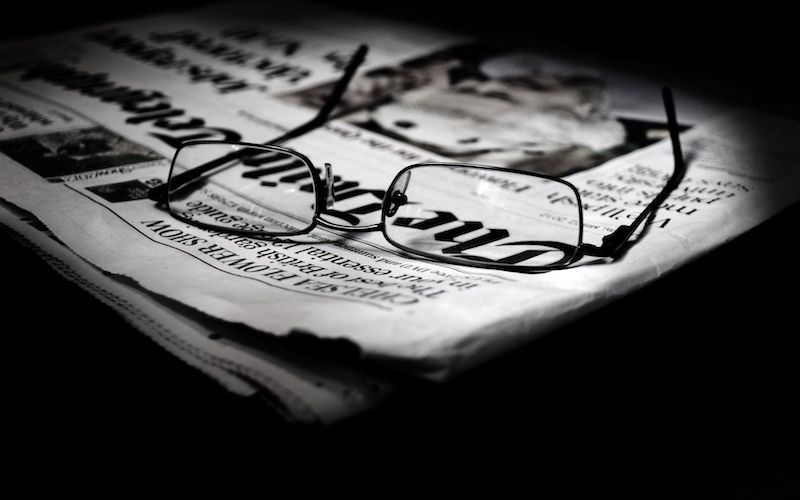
column 90, row 119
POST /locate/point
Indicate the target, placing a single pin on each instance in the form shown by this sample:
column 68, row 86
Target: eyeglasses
column 465, row 214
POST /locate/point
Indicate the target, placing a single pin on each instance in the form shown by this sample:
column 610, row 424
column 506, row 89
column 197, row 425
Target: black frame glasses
column 613, row 245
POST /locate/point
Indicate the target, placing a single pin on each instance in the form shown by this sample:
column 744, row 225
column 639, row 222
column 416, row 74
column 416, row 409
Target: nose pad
column 398, row 196
column 328, row 186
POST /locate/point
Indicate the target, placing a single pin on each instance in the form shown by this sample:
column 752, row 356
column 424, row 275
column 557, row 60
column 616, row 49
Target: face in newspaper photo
column 479, row 104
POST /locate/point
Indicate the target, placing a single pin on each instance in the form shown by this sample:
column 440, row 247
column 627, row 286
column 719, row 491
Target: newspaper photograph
column 480, row 104
column 92, row 119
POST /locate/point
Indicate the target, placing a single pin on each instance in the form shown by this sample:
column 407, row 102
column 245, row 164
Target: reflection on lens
column 469, row 214
column 232, row 187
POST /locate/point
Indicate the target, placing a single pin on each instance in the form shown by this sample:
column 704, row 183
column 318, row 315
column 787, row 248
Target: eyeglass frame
column 613, row 245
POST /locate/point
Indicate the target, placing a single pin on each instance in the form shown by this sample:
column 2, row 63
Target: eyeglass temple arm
column 614, row 242
column 159, row 193
column 330, row 102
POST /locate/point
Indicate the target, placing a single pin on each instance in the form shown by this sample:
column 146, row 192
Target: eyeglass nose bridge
column 398, row 198
column 329, row 201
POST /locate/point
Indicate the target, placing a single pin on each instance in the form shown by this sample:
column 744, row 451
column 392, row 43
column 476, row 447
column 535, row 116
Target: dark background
column 686, row 389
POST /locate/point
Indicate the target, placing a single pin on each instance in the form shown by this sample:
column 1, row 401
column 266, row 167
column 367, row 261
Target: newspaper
column 302, row 387
column 91, row 118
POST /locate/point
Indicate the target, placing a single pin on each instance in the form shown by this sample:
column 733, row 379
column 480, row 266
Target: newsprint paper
column 90, row 119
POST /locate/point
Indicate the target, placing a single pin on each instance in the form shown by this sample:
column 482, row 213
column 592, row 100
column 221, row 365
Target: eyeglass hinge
column 611, row 243
column 158, row 193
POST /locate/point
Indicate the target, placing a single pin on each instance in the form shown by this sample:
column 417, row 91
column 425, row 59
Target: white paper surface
column 426, row 318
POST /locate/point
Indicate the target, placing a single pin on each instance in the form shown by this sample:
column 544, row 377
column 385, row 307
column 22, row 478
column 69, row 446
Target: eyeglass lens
column 467, row 214
column 262, row 190
column 460, row 213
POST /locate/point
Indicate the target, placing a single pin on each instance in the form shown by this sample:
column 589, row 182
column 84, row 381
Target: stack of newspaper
column 91, row 119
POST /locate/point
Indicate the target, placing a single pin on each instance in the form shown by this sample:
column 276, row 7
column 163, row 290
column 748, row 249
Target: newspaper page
column 300, row 387
column 91, row 119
